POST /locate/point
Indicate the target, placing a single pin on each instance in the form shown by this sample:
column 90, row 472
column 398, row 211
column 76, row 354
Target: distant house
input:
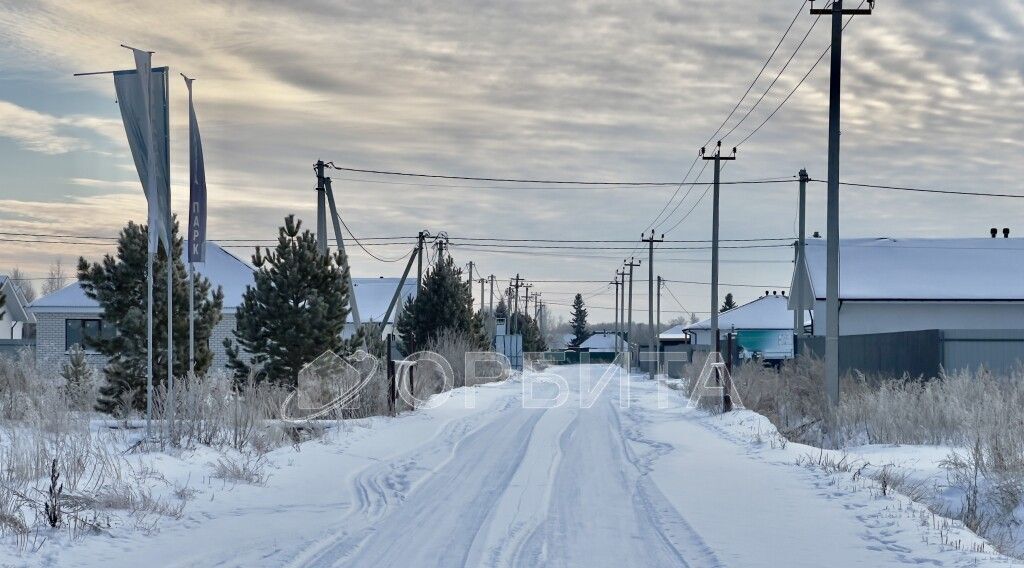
column 67, row 316
column 763, row 327
column 16, row 316
column 599, row 342
column 373, row 295
column 896, row 285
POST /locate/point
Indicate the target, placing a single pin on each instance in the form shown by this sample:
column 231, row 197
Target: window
column 77, row 330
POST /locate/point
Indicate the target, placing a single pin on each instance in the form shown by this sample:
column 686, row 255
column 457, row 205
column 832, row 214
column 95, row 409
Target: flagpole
column 170, row 264
column 149, row 349
column 191, row 318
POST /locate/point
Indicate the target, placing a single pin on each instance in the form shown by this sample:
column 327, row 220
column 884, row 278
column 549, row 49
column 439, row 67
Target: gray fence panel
column 915, row 353
column 967, row 349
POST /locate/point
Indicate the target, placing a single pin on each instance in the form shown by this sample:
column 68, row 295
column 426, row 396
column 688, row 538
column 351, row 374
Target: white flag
column 142, row 97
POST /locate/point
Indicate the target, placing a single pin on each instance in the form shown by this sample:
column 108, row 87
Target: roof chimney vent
column 994, row 232
column 775, row 292
column 766, row 292
column 816, row 235
column 783, row 293
column 1006, row 232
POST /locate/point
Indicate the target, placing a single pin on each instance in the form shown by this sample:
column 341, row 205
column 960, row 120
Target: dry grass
column 978, row 411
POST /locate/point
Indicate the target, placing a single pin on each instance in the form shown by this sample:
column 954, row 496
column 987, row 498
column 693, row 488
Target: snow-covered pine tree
column 295, row 311
column 501, row 311
column 580, row 332
column 444, row 302
column 118, row 283
column 728, row 303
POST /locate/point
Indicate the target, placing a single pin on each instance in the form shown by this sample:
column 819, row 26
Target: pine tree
column 728, row 304
column 580, row 332
column 533, row 339
column 78, row 377
column 444, row 302
column 118, row 284
column 295, row 311
column 502, row 310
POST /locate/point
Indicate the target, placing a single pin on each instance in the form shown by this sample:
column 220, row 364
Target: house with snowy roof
column 896, row 285
column 66, row 317
column 763, row 327
column 599, row 342
column 15, row 315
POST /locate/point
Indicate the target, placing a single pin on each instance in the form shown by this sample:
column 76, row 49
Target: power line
column 349, row 231
column 801, row 82
column 922, row 190
column 759, row 73
column 776, row 79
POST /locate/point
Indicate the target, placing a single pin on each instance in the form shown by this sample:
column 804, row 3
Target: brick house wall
column 51, row 354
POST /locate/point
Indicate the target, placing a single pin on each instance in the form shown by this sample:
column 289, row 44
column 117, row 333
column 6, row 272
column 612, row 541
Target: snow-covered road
column 616, row 479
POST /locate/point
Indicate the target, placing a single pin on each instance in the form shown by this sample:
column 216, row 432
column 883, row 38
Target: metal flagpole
column 169, row 245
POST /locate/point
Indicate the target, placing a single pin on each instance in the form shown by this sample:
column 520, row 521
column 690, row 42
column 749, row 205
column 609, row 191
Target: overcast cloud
column 933, row 96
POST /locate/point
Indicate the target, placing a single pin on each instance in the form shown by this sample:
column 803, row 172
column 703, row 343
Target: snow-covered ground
column 492, row 478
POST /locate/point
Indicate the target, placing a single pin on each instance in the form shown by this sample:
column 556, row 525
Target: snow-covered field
column 489, row 477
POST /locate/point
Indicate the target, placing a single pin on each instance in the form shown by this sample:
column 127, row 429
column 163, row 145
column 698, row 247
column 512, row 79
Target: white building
column 16, row 316
column 763, row 326
column 64, row 317
column 893, row 285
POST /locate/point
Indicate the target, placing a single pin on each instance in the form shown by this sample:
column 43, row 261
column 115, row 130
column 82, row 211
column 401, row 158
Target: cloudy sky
column 933, row 96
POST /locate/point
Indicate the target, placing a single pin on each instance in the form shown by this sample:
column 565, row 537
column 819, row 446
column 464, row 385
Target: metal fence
column 924, row 353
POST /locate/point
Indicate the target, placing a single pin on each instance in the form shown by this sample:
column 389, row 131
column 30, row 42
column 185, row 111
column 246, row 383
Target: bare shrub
column 244, row 467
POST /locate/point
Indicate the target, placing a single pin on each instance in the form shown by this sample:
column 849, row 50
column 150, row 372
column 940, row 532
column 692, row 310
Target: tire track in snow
column 381, row 486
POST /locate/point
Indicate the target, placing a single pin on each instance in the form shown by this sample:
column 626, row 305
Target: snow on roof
column 922, row 269
column 600, row 341
column 234, row 275
column 223, row 269
column 766, row 312
column 374, row 294
column 15, row 301
column 674, row 332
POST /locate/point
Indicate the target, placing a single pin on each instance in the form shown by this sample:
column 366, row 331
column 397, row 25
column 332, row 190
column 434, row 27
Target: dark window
column 77, row 330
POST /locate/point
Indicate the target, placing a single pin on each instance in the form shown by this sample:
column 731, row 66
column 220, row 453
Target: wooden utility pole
column 798, row 311
column 717, row 157
column 657, row 325
column 516, row 283
column 491, row 307
column 481, row 281
column 470, row 265
column 832, row 219
column 633, row 263
column 618, row 329
column 321, row 209
column 420, row 243
column 650, row 298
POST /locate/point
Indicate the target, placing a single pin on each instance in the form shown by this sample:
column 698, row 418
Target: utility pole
column 798, row 312
column 832, row 223
column 717, row 157
column 321, row 209
column 471, row 264
column 622, row 308
column 629, row 326
column 526, row 299
column 616, row 283
column 420, row 242
column 516, row 283
column 491, row 307
column 657, row 330
column 650, row 298
column 482, row 280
